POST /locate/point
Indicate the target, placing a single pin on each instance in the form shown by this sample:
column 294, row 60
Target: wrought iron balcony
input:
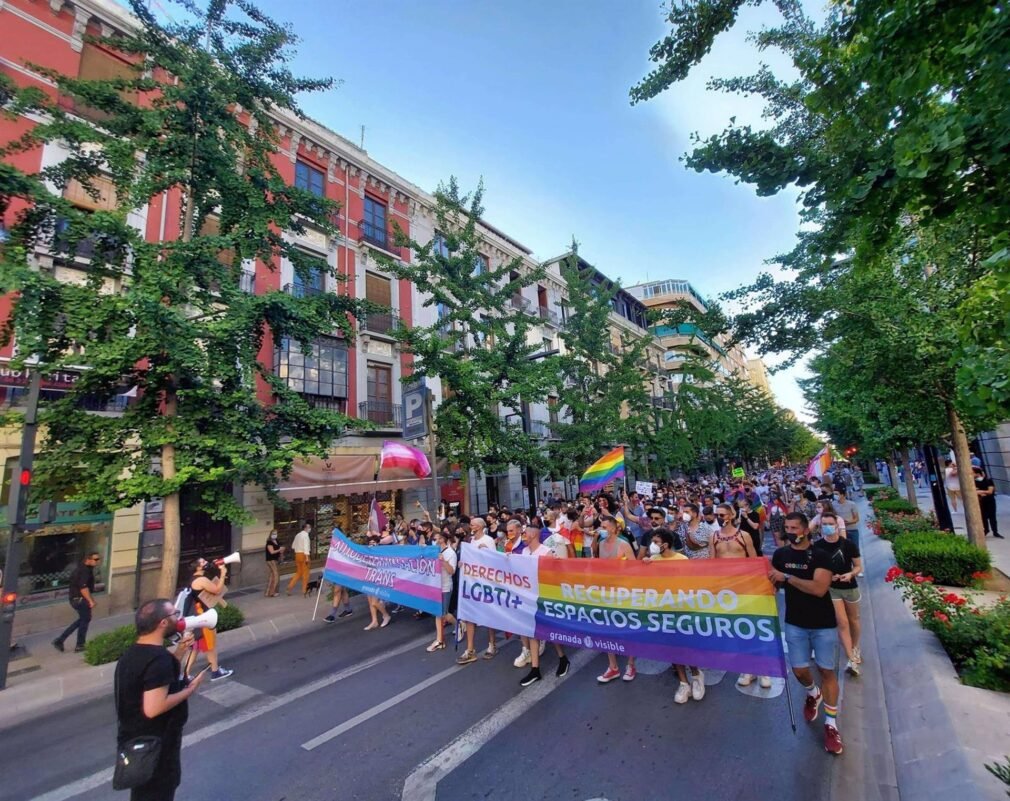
column 303, row 290
column 384, row 323
column 521, row 303
column 662, row 402
column 548, row 316
column 382, row 238
column 382, row 413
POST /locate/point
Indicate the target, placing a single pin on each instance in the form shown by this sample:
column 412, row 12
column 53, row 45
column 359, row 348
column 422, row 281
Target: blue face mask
column 604, row 534
column 827, row 530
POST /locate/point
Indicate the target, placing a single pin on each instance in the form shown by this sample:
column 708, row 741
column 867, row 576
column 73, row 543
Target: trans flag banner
column 399, row 574
column 709, row 613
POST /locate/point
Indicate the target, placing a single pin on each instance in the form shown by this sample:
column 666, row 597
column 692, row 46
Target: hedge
column 948, row 558
column 110, row 645
column 895, row 505
column 880, row 492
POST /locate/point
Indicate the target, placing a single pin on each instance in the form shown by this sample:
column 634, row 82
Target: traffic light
column 10, row 601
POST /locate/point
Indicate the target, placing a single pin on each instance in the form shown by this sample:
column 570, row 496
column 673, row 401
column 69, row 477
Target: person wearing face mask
column 846, row 566
column 272, row 553
column 534, row 649
column 811, row 626
column 614, row 547
column 694, row 534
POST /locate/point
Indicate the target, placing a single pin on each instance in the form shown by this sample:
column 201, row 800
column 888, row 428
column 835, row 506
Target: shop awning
column 346, row 474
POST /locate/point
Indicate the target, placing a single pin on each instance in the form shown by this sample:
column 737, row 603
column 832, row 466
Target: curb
column 48, row 695
column 941, row 730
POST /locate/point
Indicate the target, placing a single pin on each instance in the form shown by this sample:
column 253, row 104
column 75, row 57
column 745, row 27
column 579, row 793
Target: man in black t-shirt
column 810, row 628
column 986, row 491
column 81, row 597
column 151, row 696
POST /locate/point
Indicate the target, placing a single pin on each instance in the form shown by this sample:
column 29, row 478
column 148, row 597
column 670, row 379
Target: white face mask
column 654, row 549
column 686, row 517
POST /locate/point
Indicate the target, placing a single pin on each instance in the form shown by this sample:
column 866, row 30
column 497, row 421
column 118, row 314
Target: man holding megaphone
column 206, row 591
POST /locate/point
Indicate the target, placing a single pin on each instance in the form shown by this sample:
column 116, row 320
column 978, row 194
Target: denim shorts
column 821, row 643
column 446, row 599
column 853, row 535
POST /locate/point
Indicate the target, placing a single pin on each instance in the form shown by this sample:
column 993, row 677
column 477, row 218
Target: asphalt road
column 339, row 714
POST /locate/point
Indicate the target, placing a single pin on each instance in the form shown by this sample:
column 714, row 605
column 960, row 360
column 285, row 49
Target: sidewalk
column 941, row 732
column 999, row 549
column 42, row 680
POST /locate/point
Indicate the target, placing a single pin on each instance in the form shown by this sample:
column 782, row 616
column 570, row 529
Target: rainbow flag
column 397, row 454
column 603, row 471
column 820, row 464
column 713, row 613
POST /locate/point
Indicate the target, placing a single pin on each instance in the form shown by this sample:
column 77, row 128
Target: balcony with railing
column 548, row 316
column 383, row 413
column 381, row 323
column 686, row 334
column 304, row 290
column 662, row 402
column 247, row 282
column 521, row 303
column 382, row 238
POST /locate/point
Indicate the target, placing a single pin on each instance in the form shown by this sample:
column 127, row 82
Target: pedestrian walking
column 951, row 482
column 986, row 491
column 301, row 549
column 846, row 566
column 81, row 597
column 811, row 627
column 272, row 553
column 151, row 695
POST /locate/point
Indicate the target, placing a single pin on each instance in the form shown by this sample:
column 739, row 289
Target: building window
column 378, row 290
column 439, row 247
column 480, row 264
column 309, row 178
column 552, row 409
column 320, row 371
column 374, row 224
column 380, row 393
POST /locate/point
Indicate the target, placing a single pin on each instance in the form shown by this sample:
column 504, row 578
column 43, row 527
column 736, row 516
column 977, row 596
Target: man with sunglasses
column 151, row 694
column 81, row 597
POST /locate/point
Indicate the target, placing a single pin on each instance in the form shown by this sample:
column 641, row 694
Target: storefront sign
column 709, row 613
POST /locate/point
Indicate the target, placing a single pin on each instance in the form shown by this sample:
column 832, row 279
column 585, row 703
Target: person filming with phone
column 151, row 695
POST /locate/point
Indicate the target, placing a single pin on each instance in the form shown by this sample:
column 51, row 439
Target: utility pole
column 16, row 514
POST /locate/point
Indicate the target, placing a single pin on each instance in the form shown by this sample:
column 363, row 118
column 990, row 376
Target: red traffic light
column 26, row 478
column 10, row 598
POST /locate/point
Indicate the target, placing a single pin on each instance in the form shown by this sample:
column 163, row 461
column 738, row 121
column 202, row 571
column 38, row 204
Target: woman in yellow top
column 661, row 550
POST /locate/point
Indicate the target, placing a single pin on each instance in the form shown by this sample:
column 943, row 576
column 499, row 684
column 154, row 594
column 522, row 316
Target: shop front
column 338, row 492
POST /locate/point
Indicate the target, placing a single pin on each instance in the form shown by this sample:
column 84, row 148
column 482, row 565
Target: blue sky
column 533, row 96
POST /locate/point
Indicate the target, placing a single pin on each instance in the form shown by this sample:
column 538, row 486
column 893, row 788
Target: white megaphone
column 208, row 620
column 230, row 559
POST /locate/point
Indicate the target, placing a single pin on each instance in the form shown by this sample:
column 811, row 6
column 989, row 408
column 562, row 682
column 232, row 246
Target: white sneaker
column 745, row 680
column 852, row 668
column 543, row 644
column 857, row 656
column 683, row 693
column 765, row 682
column 524, row 658
column 698, row 686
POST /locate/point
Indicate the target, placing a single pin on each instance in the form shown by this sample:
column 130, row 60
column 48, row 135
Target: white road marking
column 267, row 705
column 378, row 709
column 422, row 783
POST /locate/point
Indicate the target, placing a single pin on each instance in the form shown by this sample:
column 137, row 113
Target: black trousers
column 989, row 517
column 80, row 625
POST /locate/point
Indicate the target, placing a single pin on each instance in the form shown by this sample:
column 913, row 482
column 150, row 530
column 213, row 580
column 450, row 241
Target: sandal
column 438, row 645
column 491, row 653
column 371, row 626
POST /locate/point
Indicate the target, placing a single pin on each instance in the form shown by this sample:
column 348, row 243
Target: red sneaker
column 608, row 676
column 811, row 707
column 630, row 673
column 832, row 740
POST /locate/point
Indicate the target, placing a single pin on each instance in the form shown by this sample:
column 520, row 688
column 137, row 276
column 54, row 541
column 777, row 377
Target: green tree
column 894, row 153
column 605, row 385
column 480, row 345
column 179, row 329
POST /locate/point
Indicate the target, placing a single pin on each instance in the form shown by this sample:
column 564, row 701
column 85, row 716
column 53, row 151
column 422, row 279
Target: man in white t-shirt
column 480, row 539
column 534, row 649
column 300, row 547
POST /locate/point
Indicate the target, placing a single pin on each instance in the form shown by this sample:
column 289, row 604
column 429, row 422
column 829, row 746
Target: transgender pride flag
column 820, row 464
column 396, row 454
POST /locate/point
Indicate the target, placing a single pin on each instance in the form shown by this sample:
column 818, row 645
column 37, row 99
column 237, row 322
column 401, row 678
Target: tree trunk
column 906, row 463
column 965, row 477
column 872, row 465
column 892, row 471
column 169, row 579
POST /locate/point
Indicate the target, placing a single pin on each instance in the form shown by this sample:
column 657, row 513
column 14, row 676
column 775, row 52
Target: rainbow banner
column 709, row 613
column 603, row 471
column 401, row 574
